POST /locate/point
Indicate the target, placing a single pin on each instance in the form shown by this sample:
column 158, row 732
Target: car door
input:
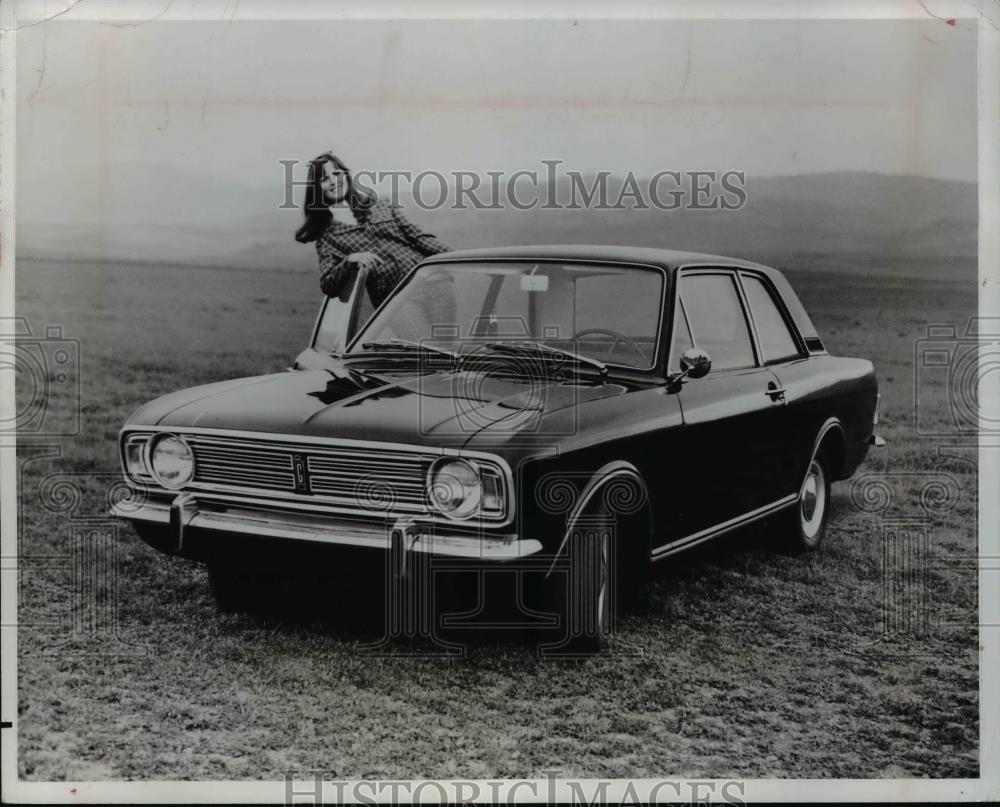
column 729, row 447
column 340, row 318
column 783, row 352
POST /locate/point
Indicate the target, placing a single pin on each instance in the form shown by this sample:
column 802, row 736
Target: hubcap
column 812, row 500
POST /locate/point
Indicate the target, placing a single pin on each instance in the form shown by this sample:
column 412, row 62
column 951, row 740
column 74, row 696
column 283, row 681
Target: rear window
column 776, row 341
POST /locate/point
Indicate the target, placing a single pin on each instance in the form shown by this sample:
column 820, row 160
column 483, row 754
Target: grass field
column 746, row 663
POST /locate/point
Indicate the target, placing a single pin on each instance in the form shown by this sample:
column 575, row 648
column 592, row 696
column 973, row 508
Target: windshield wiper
column 407, row 344
column 531, row 346
column 525, row 346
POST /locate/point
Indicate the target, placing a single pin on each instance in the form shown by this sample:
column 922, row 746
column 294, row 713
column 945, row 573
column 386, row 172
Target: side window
column 776, row 341
column 681, row 339
column 718, row 324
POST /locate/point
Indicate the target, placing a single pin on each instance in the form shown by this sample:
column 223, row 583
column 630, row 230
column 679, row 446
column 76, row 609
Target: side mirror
column 695, row 363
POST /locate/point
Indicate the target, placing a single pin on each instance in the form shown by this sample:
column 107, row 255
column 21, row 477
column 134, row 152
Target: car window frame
column 678, row 308
column 659, row 346
column 732, row 273
column 355, row 323
column 318, row 322
column 769, row 288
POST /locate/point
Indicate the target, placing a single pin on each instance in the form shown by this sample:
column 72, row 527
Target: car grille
column 369, row 478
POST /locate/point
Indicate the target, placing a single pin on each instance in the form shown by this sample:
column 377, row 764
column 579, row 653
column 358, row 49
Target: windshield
column 606, row 313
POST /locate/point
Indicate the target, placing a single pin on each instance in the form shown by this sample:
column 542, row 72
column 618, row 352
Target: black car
column 575, row 413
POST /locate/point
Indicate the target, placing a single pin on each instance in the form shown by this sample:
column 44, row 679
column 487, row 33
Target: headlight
column 455, row 487
column 172, row 461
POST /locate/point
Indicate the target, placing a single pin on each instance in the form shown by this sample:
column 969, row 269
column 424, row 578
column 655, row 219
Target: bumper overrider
column 171, row 520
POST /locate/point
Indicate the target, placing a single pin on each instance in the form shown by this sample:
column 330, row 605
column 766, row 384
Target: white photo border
column 14, row 14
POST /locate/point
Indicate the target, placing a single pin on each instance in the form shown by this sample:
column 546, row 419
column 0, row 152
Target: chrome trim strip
column 678, row 307
column 748, row 317
column 269, row 439
column 238, row 464
column 183, row 512
column 476, row 548
column 263, row 462
column 149, row 511
column 284, row 442
column 251, row 521
column 672, row 547
column 231, row 476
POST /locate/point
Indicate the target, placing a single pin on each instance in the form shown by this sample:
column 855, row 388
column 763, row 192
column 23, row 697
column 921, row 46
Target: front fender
column 617, row 485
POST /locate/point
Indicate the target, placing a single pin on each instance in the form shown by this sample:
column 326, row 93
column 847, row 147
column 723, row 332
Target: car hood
column 441, row 407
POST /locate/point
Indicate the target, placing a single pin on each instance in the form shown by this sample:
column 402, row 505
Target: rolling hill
column 190, row 219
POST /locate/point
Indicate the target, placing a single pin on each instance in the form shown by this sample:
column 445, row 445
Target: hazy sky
column 224, row 102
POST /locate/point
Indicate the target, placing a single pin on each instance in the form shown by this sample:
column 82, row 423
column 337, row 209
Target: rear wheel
column 806, row 521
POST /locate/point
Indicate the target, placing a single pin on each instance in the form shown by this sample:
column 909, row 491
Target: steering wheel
column 617, row 337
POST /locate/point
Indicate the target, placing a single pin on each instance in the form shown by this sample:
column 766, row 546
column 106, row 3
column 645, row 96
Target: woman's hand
column 363, row 260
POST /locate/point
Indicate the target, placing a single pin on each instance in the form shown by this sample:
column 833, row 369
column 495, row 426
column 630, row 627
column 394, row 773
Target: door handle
column 775, row 393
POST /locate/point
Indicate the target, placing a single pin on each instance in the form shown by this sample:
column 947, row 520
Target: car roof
column 664, row 258
column 667, row 258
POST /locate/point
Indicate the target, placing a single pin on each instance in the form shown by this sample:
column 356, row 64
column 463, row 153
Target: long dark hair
column 315, row 207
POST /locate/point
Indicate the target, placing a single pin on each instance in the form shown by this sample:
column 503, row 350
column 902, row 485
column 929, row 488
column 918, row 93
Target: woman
column 366, row 233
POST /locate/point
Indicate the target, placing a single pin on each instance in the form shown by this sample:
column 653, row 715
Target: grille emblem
column 301, row 473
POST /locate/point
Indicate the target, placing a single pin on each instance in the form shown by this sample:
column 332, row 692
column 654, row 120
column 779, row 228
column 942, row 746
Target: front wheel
column 806, row 522
column 583, row 590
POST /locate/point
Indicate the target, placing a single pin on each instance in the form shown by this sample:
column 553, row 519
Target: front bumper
column 189, row 512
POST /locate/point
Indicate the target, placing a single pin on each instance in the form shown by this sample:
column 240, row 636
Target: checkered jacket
column 385, row 232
